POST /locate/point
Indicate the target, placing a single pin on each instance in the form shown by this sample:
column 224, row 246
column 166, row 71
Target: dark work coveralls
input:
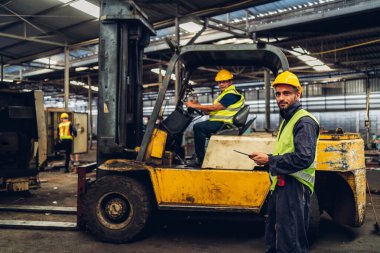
column 289, row 205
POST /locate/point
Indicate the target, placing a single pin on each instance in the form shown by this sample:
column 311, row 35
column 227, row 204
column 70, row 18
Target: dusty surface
column 183, row 234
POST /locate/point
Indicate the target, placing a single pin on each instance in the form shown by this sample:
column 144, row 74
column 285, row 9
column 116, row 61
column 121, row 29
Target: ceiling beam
column 319, row 16
column 187, row 4
column 317, row 39
column 17, row 37
column 25, row 20
column 213, row 11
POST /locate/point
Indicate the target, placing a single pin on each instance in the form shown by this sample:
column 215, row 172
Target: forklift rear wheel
column 117, row 209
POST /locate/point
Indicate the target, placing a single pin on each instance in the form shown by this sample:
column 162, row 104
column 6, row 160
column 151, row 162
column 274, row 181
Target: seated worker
column 225, row 106
column 66, row 132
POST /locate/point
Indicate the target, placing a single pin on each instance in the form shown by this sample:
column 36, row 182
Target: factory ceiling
column 320, row 37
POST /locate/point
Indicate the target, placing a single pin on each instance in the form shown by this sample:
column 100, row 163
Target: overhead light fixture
column 7, row 80
column 80, row 69
column 46, row 61
column 191, row 27
column 234, row 41
column 163, row 72
column 77, row 83
column 303, row 55
column 322, row 68
column 84, row 6
column 306, row 58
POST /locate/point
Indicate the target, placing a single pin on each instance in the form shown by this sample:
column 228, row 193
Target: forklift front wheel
column 117, row 209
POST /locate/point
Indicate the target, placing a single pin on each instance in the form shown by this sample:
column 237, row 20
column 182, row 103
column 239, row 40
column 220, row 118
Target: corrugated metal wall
column 339, row 104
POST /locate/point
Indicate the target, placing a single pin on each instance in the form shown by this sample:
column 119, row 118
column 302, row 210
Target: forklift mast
column 124, row 33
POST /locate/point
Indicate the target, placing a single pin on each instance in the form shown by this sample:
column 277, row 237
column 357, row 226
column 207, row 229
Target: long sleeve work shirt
column 305, row 133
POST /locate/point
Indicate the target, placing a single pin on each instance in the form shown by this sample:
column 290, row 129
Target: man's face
column 224, row 85
column 286, row 95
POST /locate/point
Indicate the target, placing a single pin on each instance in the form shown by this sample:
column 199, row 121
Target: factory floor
column 180, row 234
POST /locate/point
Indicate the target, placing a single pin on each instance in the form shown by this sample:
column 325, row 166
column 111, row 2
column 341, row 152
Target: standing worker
column 66, row 132
column 224, row 108
column 291, row 168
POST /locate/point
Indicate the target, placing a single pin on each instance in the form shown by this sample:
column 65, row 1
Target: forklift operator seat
column 239, row 124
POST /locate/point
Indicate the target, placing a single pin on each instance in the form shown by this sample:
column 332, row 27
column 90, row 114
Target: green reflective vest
column 226, row 115
column 284, row 144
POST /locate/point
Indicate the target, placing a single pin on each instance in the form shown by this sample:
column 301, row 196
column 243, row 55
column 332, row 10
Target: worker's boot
column 194, row 162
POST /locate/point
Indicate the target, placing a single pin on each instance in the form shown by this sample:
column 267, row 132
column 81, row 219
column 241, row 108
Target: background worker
column 225, row 106
column 291, row 168
column 66, row 132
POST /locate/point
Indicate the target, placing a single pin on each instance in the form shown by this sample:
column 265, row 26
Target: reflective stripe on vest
column 64, row 131
column 285, row 144
column 226, row 115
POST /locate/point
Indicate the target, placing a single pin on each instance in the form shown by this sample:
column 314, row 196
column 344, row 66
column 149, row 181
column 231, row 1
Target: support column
column 160, row 75
column 2, row 69
column 66, row 78
column 177, row 70
column 90, row 109
column 267, row 99
column 367, row 121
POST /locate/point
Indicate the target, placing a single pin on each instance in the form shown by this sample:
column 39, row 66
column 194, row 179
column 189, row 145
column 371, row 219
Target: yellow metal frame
column 340, row 154
column 199, row 188
column 357, row 182
column 246, row 190
column 212, row 188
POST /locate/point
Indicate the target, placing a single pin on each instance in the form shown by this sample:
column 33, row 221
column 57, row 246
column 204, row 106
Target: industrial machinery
column 129, row 186
column 22, row 139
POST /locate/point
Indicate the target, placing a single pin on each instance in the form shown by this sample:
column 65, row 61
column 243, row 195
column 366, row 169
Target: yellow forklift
column 131, row 183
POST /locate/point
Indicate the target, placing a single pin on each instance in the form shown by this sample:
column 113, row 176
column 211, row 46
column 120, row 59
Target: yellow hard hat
column 64, row 116
column 288, row 78
column 223, row 75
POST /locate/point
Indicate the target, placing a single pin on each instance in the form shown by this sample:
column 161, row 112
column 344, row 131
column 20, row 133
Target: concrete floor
column 168, row 234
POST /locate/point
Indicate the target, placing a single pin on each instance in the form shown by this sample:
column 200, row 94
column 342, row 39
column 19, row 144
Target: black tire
column 314, row 219
column 117, row 209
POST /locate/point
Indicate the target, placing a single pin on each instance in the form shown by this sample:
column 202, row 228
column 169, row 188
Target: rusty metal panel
column 356, row 179
column 218, row 188
column 344, row 153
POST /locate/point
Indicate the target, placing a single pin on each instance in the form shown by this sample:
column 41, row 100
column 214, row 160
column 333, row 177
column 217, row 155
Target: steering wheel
column 193, row 111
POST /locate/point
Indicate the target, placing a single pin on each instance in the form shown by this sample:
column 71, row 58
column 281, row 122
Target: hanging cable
column 347, row 47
